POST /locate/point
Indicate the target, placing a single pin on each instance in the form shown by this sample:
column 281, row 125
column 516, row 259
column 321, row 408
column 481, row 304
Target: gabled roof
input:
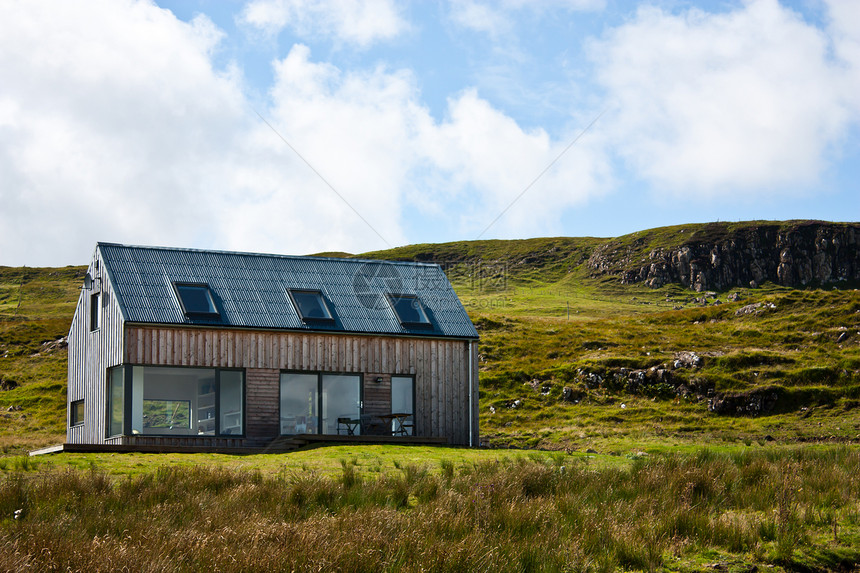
column 253, row 290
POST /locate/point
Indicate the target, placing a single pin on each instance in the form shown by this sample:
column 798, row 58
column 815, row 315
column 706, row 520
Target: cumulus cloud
column 111, row 123
column 356, row 22
column 115, row 125
column 745, row 101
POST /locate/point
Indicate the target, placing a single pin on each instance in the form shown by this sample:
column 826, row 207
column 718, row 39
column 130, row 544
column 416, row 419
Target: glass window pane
column 196, row 299
column 299, row 401
column 341, row 399
column 408, row 309
column 167, row 414
column 231, row 394
column 77, row 414
column 402, row 401
column 311, row 305
column 116, row 401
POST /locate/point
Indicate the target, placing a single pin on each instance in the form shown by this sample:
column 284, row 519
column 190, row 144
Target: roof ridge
column 267, row 255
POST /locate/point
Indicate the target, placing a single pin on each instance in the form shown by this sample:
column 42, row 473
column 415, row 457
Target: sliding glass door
column 299, row 403
column 341, row 395
column 313, row 403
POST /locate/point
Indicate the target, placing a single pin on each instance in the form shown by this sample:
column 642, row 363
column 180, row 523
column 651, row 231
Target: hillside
column 581, row 349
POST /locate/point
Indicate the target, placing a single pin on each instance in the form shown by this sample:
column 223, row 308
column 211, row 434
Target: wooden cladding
column 440, row 367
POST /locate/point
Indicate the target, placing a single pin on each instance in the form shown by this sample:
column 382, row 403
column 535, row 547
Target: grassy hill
column 570, row 359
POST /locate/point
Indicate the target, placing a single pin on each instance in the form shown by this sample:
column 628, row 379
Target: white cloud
column 480, row 17
column 111, row 126
column 488, row 154
column 115, row 126
column 498, row 19
column 741, row 102
column 354, row 22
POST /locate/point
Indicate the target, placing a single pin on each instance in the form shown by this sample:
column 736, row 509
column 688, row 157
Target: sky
column 303, row 126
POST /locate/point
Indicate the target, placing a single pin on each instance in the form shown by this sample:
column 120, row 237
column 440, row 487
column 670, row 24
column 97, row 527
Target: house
column 194, row 348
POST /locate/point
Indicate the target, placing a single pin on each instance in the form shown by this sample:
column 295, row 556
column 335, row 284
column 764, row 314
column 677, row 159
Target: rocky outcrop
column 719, row 256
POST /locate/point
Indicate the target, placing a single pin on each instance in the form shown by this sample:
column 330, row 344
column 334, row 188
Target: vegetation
column 792, row 509
column 612, row 390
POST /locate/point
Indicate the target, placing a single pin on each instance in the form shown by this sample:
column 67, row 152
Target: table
column 399, row 428
column 348, row 424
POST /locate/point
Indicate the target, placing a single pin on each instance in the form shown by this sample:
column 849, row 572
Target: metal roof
column 251, row 290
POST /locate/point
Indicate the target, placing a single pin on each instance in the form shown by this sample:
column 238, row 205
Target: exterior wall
column 440, row 367
column 91, row 353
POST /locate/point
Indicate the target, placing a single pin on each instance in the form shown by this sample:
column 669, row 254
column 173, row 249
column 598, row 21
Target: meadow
column 787, row 509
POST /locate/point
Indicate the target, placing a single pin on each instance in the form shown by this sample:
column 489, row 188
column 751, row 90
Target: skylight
column 409, row 309
column 196, row 299
column 311, row 305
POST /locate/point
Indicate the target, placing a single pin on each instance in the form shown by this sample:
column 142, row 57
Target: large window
column 116, row 401
column 176, row 401
column 319, row 403
column 299, row 403
column 403, row 402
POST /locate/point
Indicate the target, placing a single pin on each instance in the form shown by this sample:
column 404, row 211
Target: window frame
column 320, row 406
column 95, row 311
column 391, row 297
column 127, row 385
column 323, row 304
column 77, row 418
column 214, row 313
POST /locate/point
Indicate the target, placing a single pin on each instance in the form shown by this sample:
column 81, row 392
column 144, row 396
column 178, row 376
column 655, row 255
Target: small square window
column 196, row 299
column 409, row 309
column 311, row 305
column 77, row 413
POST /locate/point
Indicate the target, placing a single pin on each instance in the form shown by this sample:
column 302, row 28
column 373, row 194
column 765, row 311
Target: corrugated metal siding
column 91, row 353
column 251, row 290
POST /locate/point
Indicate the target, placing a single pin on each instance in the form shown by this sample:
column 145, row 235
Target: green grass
column 784, row 509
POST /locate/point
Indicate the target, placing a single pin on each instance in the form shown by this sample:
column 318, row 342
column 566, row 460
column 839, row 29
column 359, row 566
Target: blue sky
column 299, row 126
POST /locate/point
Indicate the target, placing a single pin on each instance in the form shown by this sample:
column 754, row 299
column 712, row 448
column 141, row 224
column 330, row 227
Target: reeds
column 782, row 507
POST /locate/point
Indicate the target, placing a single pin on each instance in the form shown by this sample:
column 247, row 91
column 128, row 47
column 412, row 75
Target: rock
column 842, row 337
column 734, row 297
column 688, row 360
column 752, row 403
column 14, row 408
column 8, row 384
column 590, row 451
column 717, row 256
column 748, row 309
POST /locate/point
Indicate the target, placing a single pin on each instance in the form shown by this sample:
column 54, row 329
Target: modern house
column 192, row 348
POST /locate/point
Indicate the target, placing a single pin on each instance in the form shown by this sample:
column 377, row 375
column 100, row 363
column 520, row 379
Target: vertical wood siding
column 91, row 353
column 440, row 367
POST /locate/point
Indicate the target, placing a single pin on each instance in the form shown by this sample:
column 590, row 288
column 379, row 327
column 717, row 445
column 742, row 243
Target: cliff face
column 721, row 256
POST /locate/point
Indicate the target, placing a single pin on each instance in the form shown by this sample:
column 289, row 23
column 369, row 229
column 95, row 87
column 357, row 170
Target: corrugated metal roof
column 250, row 290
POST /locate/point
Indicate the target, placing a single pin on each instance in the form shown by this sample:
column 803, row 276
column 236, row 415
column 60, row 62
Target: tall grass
column 793, row 508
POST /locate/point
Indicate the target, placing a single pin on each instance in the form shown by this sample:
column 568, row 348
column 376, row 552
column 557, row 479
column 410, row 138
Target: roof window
column 196, row 300
column 409, row 309
column 311, row 305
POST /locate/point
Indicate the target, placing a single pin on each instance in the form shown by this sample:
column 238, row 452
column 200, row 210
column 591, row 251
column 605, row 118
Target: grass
column 786, row 508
